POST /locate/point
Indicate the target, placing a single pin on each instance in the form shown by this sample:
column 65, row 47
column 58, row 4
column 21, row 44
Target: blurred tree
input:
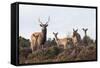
column 23, row 42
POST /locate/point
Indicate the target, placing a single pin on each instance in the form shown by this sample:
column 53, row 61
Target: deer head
column 85, row 30
column 75, row 32
column 55, row 34
column 44, row 25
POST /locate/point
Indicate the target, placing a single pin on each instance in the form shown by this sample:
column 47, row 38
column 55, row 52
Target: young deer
column 42, row 35
column 60, row 42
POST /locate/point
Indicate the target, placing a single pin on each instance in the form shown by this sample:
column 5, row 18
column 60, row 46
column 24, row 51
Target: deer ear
column 54, row 33
column 76, row 30
column 46, row 25
column 82, row 28
column 86, row 29
column 57, row 33
column 33, row 34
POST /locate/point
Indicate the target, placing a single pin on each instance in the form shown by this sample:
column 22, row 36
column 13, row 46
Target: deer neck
column 85, row 34
column 44, row 32
column 56, row 38
column 78, row 37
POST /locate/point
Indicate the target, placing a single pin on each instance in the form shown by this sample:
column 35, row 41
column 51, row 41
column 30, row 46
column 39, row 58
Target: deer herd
column 38, row 39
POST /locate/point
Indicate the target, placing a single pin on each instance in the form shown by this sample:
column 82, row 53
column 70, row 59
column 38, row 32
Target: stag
column 76, row 37
column 42, row 35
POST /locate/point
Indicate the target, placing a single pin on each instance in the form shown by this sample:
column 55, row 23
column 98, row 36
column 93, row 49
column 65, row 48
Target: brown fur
column 41, row 39
column 34, row 41
column 61, row 41
column 74, row 40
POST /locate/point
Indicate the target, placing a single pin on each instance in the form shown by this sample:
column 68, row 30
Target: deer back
column 33, row 39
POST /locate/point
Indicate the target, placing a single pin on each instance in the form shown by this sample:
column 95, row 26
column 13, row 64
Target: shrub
column 88, row 53
column 43, row 54
column 23, row 42
column 53, row 53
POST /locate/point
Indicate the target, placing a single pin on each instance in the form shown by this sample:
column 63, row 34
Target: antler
column 39, row 20
column 48, row 20
column 76, row 29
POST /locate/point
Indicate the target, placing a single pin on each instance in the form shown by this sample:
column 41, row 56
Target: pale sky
column 62, row 20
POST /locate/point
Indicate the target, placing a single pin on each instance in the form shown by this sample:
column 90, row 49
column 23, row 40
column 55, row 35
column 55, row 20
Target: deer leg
column 41, row 47
column 58, row 45
column 32, row 47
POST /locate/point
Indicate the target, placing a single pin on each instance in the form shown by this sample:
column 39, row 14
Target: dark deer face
column 75, row 32
column 44, row 25
column 85, row 30
column 55, row 34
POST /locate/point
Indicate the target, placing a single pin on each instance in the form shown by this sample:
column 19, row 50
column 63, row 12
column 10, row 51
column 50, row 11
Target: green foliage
column 87, row 53
column 23, row 42
column 46, row 53
column 52, row 51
